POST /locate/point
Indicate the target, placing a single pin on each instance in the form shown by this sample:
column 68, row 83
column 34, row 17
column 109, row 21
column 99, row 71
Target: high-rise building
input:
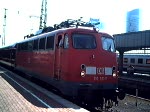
column 133, row 20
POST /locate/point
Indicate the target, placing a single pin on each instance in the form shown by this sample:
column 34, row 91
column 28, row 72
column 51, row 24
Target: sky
column 23, row 15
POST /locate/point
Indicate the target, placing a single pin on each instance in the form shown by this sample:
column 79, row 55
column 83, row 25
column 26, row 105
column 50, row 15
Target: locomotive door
column 58, row 53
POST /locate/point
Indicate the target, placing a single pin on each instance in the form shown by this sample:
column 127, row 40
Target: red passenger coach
column 78, row 62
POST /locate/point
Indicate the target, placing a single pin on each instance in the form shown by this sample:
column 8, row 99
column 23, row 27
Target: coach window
column 35, row 44
column 30, row 45
column 147, row 61
column 108, row 44
column 19, row 47
column 24, row 46
column 140, row 60
column 50, row 43
column 42, row 43
column 132, row 60
column 66, row 41
column 125, row 60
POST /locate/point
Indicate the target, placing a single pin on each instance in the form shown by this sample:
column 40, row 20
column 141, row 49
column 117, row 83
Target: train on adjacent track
column 78, row 62
column 139, row 62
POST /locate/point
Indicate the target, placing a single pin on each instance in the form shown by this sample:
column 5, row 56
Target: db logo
column 100, row 70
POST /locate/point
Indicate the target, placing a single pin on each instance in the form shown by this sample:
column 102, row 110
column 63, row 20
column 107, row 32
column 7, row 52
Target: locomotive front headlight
column 83, row 73
column 114, row 74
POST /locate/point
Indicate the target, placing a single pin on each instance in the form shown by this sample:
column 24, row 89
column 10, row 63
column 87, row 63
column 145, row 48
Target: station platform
column 20, row 95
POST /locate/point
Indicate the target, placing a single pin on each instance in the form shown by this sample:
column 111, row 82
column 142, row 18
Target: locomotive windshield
column 84, row 41
column 108, row 44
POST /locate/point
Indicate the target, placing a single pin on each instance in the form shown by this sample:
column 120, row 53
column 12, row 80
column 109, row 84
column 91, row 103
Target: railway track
column 133, row 103
column 133, row 84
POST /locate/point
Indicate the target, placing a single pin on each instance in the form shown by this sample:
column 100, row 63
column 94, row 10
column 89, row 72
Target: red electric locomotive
column 76, row 61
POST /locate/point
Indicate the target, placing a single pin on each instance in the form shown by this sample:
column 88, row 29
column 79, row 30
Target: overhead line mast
column 4, row 28
column 43, row 16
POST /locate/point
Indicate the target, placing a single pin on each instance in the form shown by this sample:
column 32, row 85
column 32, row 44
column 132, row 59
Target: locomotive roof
column 63, row 30
column 69, row 24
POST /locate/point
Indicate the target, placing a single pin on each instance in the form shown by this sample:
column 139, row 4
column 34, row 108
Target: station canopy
column 132, row 40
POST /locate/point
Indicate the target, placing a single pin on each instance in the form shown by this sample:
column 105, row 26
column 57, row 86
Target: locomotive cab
column 86, row 61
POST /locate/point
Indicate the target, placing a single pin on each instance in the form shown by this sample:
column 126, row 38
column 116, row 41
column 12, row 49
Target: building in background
column 134, row 23
column 133, row 20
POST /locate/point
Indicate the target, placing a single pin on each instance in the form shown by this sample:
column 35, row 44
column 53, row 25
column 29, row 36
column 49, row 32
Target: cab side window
column 60, row 41
column 66, row 41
